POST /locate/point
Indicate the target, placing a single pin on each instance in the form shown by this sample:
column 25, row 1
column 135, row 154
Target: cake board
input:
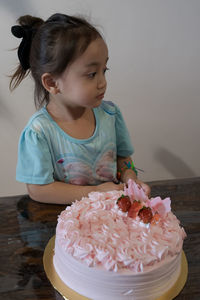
column 69, row 294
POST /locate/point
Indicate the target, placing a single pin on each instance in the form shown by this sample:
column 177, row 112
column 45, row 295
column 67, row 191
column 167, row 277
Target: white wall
column 154, row 78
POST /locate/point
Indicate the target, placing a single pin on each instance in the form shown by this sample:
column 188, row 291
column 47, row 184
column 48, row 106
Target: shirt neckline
column 66, row 135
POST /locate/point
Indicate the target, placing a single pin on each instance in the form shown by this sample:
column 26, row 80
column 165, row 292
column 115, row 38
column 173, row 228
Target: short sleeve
column 34, row 164
column 124, row 145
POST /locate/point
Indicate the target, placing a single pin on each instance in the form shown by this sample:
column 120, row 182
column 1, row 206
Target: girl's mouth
column 100, row 97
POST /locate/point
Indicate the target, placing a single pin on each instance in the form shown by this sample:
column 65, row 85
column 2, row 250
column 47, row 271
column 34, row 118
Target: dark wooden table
column 26, row 226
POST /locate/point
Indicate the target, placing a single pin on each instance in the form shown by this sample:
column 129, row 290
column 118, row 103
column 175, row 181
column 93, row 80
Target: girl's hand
column 130, row 174
column 109, row 186
column 146, row 188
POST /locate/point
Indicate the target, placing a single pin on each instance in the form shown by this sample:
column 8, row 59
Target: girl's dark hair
column 49, row 46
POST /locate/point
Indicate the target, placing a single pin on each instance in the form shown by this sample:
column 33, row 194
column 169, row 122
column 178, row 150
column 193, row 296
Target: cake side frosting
column 98, row 284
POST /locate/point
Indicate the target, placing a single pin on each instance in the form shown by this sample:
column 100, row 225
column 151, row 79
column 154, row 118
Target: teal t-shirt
column 46, row 153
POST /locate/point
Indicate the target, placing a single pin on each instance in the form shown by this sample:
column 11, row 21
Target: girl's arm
column 128, row 173
column 64, row 193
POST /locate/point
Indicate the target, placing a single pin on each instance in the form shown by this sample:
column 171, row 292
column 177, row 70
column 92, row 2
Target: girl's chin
column 97, row 103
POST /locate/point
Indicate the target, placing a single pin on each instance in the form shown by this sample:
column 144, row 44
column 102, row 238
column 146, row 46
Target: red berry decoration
column 124, row 203
column 134, row 209
column 145, row 214
column 156, row 218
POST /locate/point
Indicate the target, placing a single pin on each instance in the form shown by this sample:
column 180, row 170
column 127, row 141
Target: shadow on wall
column 7, row 115
column 174, row 164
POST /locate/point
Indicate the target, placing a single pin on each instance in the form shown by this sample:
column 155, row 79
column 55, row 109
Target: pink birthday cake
column 119, row 245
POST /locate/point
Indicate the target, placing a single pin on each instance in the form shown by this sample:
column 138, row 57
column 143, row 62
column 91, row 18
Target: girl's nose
column 102, row 82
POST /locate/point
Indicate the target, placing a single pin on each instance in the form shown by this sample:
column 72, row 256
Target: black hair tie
column 26, row 33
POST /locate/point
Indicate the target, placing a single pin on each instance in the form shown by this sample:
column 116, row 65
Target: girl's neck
column 65, row 113
column 77, row 122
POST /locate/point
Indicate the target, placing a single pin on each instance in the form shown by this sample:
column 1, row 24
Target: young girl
column 75, row 143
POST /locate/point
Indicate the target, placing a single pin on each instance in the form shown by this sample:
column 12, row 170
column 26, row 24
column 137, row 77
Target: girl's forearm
column 58, row 192
column 64, row 193
column 130, row 173
column 125, row 173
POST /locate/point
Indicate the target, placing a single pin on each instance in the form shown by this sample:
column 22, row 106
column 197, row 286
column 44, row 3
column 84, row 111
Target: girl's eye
column 91, row 75
column 106, row 69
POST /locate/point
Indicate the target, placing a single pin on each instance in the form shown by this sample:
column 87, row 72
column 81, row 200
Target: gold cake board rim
column 70, row 294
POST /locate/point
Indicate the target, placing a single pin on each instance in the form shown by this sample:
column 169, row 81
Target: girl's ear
column 49, row 83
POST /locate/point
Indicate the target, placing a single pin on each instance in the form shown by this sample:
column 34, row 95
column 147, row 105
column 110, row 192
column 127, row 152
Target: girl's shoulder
column 109, row 107
column 38, row 121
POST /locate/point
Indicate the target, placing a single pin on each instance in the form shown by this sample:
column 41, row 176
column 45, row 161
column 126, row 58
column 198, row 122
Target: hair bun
column 18, row 31
column 26, row 33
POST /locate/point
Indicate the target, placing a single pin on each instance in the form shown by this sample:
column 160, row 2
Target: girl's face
column 83, row 83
